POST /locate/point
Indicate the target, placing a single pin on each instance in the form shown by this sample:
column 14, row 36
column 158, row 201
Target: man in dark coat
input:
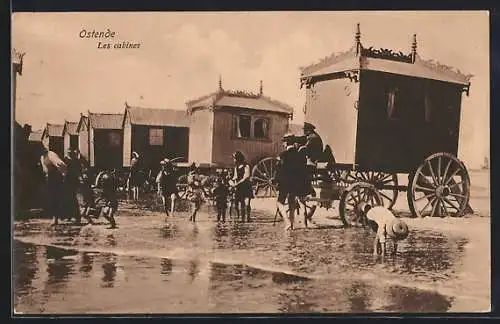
column 290, row 178
column 313, row 143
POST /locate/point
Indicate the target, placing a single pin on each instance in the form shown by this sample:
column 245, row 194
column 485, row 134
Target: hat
column 135, row 154
column 397, row 229
column 238, row 156
column 308, row 126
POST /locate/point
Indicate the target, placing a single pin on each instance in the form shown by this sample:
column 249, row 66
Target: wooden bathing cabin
column 52, row 138
column 227, row 121
column 83, row 137
column 154, row 134
column 100, row 139
column 384, row 110
column 70, row 136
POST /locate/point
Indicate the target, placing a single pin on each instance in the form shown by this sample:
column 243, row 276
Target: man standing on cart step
column 290, row 178
column 314, row 144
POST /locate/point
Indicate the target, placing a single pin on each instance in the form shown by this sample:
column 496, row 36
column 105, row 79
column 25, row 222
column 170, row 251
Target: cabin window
column 246, row 126
column 242, row 126
column 156, row 136
column 114, row 139
column 261, row 128
column 392, row 104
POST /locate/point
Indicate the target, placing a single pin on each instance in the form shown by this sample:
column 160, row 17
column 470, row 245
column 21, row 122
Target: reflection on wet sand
column 228, row 287
column 109, row 270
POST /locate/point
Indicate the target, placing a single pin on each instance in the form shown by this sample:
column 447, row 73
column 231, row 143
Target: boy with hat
column 382, row 221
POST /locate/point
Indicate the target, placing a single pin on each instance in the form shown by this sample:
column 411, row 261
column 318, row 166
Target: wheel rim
column 379, row 180
column 440, row 187
column 351, row 199
column 263, row 174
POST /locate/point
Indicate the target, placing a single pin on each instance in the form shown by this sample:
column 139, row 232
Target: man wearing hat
column 166, row 181
column 387, row 226
column 314, row 144
column 290, row 178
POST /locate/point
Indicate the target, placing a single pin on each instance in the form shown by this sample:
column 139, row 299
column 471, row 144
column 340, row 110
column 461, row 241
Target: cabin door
column 108, row 150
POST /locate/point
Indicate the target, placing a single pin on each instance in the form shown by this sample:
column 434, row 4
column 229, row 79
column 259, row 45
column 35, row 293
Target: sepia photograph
column 267, row 162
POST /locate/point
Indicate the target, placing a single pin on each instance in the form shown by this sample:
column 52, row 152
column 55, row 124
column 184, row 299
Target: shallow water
column 150, row 265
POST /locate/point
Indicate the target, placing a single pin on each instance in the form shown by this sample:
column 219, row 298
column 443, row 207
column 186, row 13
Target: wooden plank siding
column 70, row 143
column 83, row 141
column 174, row 143
column 331, row 107
column 424, row 120
column 201, row 136
column 226, row 142
column 107, row 153
column 127, row 141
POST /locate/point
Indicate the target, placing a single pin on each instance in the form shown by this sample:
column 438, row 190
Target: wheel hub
column 442, row 191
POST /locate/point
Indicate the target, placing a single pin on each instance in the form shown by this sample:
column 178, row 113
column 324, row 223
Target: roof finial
column 261, row 89
column 220, row 83
column 357, row 39
column 414, row 48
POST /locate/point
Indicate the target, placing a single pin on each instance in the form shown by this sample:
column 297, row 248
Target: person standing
column 221, row 194
column 243, row 187
column 134, row 176
column 106, row 181
column 166, row 181
column 71, row 184
column 194, row 190
column 54, row 170
column 290, row 179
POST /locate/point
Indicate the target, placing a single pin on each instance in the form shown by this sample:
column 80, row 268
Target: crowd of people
column 72, row 195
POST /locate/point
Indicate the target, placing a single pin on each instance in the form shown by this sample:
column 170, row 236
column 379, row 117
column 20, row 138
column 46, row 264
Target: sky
column 181, row 56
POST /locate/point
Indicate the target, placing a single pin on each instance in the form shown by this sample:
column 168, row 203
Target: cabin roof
column 83, row 120
column 35, row 136
column 105, row 120
column 53, row 130
column 70, row 128
column 384, row 60
column 157, row 117
column 240, row 99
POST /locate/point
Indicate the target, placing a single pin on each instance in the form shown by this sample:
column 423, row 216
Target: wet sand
column 158, row 265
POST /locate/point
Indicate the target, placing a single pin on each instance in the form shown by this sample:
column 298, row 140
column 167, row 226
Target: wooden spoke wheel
column 439, row 187
column 385, row 183
column 351, row 199
column 263, row 175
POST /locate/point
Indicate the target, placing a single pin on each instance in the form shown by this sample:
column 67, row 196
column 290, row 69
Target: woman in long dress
column 54, row 170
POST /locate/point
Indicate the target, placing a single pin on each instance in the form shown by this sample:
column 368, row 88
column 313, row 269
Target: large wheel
column 263, row 174
column 439, row 187
column 379, row 180
column 352, row 198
